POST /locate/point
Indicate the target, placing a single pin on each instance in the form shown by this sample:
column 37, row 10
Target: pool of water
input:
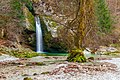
column 56, row 54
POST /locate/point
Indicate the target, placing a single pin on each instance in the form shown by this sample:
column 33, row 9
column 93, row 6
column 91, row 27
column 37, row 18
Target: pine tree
column 103, row 16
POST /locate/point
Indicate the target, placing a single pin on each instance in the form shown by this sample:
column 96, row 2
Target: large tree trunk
column 84, row 21
column 77, row 55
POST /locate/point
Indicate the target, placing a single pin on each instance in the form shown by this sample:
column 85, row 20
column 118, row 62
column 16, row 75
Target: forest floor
column 57, row 68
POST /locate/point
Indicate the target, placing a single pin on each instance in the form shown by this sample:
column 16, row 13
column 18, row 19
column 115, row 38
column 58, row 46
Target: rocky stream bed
column 56, row 68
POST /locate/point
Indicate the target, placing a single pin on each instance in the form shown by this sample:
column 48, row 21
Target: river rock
column 111, row 49
column 104, row 49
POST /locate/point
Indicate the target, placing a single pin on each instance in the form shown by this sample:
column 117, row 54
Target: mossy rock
column 40, row 63
column 35, row 63
column 24, row 53
column 45, row 72
column 76, row 56
column 27, row 78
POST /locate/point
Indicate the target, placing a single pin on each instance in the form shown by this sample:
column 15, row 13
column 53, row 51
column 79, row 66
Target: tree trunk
column 84, row 21
column 77, row 55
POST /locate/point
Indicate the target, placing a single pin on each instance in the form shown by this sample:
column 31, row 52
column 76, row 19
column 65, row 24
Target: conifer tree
column 103, row 16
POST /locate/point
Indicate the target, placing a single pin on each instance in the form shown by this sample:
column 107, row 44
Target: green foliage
column 76, row 56
column 28, row 4
column 17, row 9
column 103, row 16
column 18, row 5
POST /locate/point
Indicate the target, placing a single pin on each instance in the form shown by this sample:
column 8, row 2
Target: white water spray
column 39, row 40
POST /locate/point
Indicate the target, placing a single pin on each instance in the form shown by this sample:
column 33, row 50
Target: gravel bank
column 109, row 70
column 5, row 57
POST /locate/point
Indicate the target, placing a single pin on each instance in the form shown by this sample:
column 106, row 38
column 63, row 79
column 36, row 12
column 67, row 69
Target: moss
column 76, row 56
column 51, row 44
column 35, row 63
column 47, row 57
column 27, row 78
column 0, row 54
column 23, row 53
column 40, row 63
column 112, row 53
column 115, row 45
column 45, row 72
column 29, row 19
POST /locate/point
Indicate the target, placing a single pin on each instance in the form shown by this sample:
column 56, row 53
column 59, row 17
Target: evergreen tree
column 103, row 16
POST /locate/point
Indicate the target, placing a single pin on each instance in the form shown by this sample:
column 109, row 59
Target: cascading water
column 39, row 40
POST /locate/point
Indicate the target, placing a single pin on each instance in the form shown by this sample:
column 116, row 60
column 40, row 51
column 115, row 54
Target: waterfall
column 39, row 40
